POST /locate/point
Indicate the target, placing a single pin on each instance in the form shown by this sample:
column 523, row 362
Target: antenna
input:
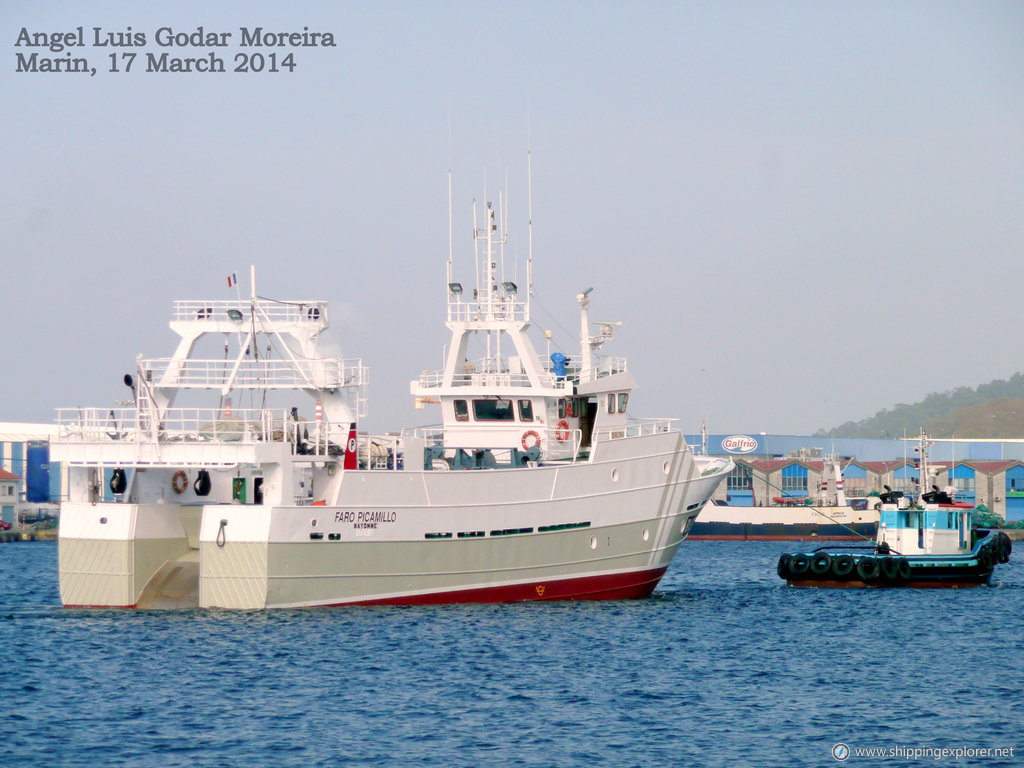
column 529, row 214
column 451, row 247
column 450, row 232
column 476, row 254
column 502, row 208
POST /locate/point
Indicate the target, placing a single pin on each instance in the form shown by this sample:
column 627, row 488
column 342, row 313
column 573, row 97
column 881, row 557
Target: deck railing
column 200, row 425
column 476, row 374
column 255, row 374
column 636, row 428
column 275, row 312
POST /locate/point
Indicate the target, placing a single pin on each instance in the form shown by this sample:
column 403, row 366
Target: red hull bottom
column 619, row 586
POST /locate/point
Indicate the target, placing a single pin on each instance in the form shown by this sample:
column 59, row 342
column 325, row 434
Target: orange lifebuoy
column 528, row 434
column 562, row 431
column 180, row 481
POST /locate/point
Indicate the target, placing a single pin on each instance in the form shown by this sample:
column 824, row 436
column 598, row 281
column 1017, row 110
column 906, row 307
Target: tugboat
column 930, row 543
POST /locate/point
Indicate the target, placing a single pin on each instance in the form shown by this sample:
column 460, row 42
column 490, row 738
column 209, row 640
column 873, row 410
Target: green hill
column 995, row 409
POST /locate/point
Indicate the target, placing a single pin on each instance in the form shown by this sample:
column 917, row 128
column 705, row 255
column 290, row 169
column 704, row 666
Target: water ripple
column 723, row 666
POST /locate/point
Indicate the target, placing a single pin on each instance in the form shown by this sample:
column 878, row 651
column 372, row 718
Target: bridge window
column 526, row 410
column 461, row 410
column 493, row 410
column 623, row 399
column 611, row 403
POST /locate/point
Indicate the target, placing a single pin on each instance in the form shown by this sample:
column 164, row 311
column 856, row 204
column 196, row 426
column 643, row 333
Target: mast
column 840, row 493
column 586, row 348
column 922, row 449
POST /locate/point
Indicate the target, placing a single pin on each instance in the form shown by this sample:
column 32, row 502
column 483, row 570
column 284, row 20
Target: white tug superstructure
column 537, row 486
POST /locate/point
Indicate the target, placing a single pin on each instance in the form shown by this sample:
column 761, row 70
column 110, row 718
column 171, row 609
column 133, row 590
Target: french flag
column 232, row 280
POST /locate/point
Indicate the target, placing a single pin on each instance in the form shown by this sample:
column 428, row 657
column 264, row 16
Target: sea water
column 724, row 666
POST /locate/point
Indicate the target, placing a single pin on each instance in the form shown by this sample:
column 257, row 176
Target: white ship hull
column 607, row 527
column 796, row 523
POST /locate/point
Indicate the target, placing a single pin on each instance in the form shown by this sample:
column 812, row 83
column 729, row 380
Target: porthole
column 593, row 542
column 312, row 523
column 646, row 534
column 615, row 475
column 666, row 467
column 103, row 521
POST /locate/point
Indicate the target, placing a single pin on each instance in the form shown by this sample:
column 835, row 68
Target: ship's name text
column 365, row 519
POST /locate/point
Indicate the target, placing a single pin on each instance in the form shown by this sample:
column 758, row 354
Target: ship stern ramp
column 110, row 553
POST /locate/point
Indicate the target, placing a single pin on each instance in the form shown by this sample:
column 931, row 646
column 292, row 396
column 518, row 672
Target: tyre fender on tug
column 843, row 565
column 783, row 567
column 867, row 568
column 903, row 567
column 821, row 563
column 799, row 564
column 887, row 567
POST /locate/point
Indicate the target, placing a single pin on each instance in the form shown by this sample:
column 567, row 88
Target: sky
column 801, row 212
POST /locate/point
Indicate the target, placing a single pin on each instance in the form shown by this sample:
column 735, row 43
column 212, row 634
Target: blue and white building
column 39, row 485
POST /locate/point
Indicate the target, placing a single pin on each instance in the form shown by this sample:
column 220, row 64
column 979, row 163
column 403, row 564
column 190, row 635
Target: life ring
column 180, row 481
column 536, row 440
column 562, row 431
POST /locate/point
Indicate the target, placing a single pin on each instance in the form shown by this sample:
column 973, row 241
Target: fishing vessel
column 828, row 516
column 925, row 542
column 537, row 484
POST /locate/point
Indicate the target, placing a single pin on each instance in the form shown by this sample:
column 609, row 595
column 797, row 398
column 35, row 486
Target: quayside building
column 768, row 466
column 32, row 487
